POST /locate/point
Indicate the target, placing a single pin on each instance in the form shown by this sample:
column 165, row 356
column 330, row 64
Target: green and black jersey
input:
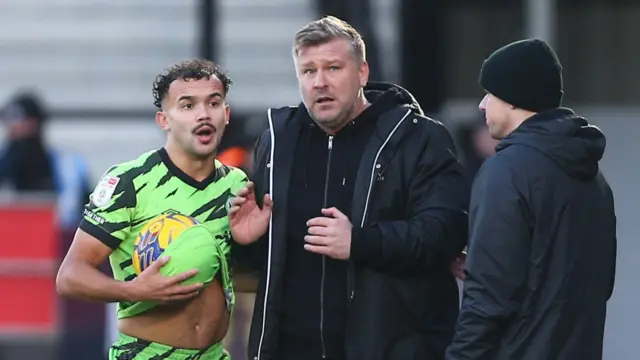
column 132, row 193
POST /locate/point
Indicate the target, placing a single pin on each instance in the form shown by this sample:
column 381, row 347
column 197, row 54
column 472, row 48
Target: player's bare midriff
column 194, row 324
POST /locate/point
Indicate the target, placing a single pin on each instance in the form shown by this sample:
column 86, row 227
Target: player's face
column 330, row 80
column 497, row 114
column 195, row 115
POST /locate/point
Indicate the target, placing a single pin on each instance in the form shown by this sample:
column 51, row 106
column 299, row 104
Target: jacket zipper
column 325, row 204
column 362, row 222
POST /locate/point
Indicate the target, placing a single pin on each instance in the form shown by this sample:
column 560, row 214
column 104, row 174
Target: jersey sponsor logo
column 104, row 190
column 97, row 218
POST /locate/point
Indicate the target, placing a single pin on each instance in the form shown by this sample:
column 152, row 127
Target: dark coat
column 410, row 188
column 542, row 246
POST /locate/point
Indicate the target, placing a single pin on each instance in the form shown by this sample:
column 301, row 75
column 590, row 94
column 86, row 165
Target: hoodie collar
column 566, row 138
column 401, row 96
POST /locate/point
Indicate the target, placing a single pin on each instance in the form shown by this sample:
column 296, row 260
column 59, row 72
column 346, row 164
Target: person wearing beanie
column 524, row 77
column 542, row 227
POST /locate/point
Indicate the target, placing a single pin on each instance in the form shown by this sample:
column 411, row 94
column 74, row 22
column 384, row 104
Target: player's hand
column 330, row 235
column 152, row 285
column 457, row 266
column 246, row 219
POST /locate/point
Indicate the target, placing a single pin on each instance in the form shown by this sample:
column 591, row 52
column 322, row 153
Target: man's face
column 330, row 80
column 497, row 114
column 21, row 129
column 195, row 115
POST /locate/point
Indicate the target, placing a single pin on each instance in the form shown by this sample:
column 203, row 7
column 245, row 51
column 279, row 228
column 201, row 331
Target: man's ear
column 364, row 73
column 161, row 119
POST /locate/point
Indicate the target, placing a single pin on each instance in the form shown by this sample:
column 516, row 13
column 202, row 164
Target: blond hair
column 324, row 30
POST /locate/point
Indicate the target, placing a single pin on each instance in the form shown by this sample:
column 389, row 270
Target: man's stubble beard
column 338, row 122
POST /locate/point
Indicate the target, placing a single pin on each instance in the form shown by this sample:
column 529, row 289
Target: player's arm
column 104, row 225
column 79, row 275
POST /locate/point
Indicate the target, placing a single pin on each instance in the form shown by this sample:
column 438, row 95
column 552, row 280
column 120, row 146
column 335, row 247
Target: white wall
column 93, row 53
column 621, row 165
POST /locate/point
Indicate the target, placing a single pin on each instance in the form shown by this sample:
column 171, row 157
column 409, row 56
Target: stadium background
column 93, row 63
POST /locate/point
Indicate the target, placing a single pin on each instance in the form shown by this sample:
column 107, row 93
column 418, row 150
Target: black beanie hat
column 526, row 74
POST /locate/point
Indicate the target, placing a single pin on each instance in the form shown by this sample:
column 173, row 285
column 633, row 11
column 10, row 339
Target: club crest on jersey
column 227, row 204
column 104, row 190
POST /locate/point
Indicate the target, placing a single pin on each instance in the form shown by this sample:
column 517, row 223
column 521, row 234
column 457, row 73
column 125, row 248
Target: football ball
column 156, row 236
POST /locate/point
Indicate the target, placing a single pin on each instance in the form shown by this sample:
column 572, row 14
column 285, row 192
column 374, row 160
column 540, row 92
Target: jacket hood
column 569, row 140
column 396, row 94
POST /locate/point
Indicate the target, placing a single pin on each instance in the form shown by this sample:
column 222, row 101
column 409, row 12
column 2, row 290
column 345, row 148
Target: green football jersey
column 132, row 193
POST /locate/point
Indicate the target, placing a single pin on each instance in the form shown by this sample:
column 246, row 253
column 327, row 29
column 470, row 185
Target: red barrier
column 28, row 258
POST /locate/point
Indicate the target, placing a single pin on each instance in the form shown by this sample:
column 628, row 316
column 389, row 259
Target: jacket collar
column 379, row 151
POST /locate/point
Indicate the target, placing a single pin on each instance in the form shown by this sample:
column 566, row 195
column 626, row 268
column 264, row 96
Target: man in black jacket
column 369, row 209
column 542, row 246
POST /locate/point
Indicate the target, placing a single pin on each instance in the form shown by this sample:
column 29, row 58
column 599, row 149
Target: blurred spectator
column 28, row 165
column 25, row 164
column 475, row 144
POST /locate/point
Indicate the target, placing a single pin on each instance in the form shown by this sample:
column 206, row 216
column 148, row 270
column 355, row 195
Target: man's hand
column 247, row 221
column 330, row 235
column 152, row 285
column 457, row 266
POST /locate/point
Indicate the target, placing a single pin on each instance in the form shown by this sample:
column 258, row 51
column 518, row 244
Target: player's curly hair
column 194, row 69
